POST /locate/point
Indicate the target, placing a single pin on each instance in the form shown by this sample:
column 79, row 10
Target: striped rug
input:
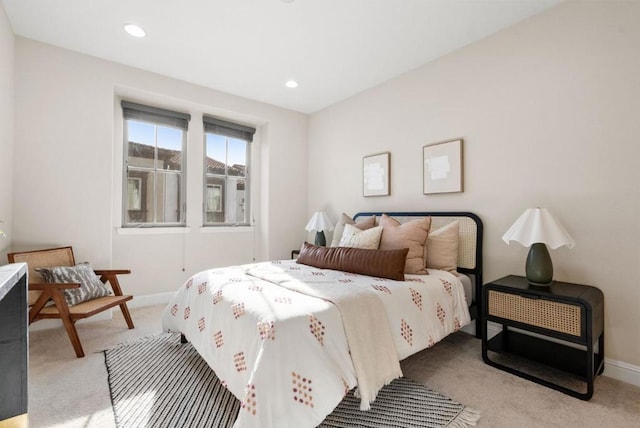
column 158, row 382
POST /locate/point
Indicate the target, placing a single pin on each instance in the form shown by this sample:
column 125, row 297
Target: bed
column 289, row 340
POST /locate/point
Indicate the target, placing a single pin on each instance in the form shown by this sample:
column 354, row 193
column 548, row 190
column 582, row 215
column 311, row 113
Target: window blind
column 228, row 129
column 156, row 115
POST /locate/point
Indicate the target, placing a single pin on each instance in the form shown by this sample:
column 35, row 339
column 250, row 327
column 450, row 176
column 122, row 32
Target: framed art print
column 442, row 167
column 375, row 175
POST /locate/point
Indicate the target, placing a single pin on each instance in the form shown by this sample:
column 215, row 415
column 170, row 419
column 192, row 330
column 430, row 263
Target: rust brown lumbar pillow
column 380, row 263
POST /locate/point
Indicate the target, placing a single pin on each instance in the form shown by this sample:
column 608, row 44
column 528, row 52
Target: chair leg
column 69, row 324
column 127, row 316
column 73, row 336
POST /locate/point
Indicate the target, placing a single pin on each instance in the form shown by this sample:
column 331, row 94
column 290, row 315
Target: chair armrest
column 110, row 276
column 46, row 286
column 111, row 271
column 50, row 291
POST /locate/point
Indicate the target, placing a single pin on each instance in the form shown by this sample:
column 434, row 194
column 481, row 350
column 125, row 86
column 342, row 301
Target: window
column 214, row 198
column 226, row 178
column 133, row 189
column 154, row 166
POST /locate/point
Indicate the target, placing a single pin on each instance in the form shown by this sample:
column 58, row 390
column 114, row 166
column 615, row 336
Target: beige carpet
column 68, row 392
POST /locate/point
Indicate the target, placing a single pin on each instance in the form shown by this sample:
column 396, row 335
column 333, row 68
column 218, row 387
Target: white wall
column 69, row 174
column 549, row 111
column 7, row 44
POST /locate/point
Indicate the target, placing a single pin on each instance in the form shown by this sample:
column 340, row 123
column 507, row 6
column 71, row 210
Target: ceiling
column 333, row 48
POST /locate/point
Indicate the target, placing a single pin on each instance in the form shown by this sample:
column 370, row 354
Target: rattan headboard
column 469, row 244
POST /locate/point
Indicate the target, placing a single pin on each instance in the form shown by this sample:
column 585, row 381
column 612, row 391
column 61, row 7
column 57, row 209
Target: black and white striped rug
column 159, row 382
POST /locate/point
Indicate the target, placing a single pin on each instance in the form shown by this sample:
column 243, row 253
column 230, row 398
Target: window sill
column 182, row 230
column 218, row 229
column 152, row 230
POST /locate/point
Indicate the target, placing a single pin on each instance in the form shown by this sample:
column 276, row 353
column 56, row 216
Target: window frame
column 227, row 130
column 165, row 118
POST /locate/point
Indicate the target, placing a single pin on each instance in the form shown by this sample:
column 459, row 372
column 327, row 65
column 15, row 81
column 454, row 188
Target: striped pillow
column 90, row 285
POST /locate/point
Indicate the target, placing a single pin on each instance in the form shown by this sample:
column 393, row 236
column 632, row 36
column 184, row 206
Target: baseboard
column 622, row 371
column 614, row 369
column 150, row 300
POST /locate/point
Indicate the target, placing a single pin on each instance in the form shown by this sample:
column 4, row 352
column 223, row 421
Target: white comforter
column 284, row 354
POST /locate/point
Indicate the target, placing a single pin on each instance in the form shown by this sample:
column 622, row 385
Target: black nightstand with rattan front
column 567, row 321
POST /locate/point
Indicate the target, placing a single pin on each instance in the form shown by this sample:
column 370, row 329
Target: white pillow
column 362, row 223
column 356, row 238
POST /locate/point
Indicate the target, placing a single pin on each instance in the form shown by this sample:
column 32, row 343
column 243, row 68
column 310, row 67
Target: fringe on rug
column 466, row 418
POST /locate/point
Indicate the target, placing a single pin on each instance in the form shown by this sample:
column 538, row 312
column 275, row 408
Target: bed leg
column 183, row 339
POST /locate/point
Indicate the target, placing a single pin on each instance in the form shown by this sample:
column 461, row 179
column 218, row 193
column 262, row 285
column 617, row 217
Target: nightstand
column 548, row 334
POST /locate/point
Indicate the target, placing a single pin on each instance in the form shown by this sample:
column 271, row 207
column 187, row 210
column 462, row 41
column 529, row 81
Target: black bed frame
column 474, row 307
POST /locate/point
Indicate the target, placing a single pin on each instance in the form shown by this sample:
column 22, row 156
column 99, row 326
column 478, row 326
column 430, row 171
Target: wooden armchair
column 40, row 292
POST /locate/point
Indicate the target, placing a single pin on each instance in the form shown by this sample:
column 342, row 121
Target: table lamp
column 320, row 222
column 537, row 228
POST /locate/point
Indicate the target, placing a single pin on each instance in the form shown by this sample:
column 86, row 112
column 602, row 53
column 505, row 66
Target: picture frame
column 442, row 167
column 375, row 175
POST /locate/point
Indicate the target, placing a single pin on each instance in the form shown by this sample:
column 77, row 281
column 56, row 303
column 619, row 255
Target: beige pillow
column 362, row 223
column 367, row 239
column 442, row 247
column 412, row 235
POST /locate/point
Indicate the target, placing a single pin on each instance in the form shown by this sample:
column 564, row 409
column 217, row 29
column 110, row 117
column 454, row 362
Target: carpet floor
column 158, row 382
column 70, row 392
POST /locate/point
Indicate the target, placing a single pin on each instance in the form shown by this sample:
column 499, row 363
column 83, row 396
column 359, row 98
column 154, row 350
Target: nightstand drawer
column 555, row 316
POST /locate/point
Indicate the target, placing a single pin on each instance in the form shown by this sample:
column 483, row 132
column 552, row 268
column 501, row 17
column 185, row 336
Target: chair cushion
column 86, row 309
column 90, row 285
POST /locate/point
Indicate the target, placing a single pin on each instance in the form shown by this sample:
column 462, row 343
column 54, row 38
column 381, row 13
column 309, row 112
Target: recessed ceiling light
column 291, row 84
column 134, row 30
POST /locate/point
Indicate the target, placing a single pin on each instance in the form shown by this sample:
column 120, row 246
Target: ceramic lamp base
column 539, row 267
column 320, row 239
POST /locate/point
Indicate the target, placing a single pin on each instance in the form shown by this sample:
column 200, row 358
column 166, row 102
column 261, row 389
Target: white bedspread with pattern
column 284, row 354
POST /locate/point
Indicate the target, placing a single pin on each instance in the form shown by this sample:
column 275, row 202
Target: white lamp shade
column 538, row 225
column 320, row 222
